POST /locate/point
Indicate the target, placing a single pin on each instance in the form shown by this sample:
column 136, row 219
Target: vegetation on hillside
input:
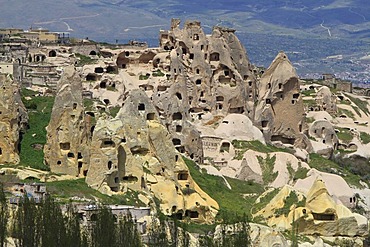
column 344, row 135
column 66, row 189
column 231, row 201
column 45, row 224
column 325, row 165
column 84, row 60
column 363, row 105
column 33, row 140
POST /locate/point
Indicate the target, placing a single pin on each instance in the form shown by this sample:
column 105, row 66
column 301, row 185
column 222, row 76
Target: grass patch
column 83, row 60
column 289, row 201
column 114, row 111
column 308, row 92
column 301, row 172
column 263, row 201
column 362, row 104
column 345, row 102
column 39, row 112
column 346, row 112
column 231, row 202
column 310, row 119
column 365, row 137
column 355, row 108
column 66, row 189
column 158, row 73
column 88, row 104
column 344, row 135
column 267, row 167
column 258, row 146
column 143, row 77
column 111, row 88
column 320, row 163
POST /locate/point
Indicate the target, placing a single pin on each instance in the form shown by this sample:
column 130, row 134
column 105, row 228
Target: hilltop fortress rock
column 67, row 147
column 13, row 118
column 208, row 73
column 134, row 151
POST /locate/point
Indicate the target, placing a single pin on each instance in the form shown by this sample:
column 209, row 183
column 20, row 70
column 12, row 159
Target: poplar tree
column 25, row 224
column 103, row 230
column 4, row 216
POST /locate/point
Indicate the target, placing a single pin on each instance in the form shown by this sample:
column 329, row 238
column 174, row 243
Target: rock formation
column 134, row 152
column 325, row 100
column 207, row 74
column 336, row 186
column 13, row 118
column 326, row 138
column 317, row 214
column 67, row 147
column 279, row 112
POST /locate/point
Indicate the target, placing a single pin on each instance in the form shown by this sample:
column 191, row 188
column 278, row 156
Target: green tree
column 206, row 241
column 157, row 234
column 179, row 236
column 52, row 226
column 75, row 236
column 239, row 231
column 4, row 216
column 103, row 230
column 25, row 229
column 128, row 234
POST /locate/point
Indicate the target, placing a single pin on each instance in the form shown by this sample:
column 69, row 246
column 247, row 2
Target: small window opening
column 177, row 116
column 103, row 84
column 176, row 141
column 99, row 70
column 150, row 116
column 182, row 176
column 179, row 96
column 141, row 107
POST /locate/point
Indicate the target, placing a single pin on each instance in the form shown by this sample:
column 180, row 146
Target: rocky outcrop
column 279, row 112
column 326, row 140
column 336, row 186
column 13, row 118
column 134, row 151
column 317, row 214
column 238, row 127
column 68, row 133
column 325, row 100
column 208, row 73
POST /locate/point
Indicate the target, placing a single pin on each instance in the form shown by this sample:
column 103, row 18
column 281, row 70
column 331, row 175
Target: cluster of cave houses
column 190, row 75
column 87, row 212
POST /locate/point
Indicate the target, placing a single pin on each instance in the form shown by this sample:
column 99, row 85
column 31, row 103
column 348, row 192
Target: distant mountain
column 313, row 29
column 109, row 20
